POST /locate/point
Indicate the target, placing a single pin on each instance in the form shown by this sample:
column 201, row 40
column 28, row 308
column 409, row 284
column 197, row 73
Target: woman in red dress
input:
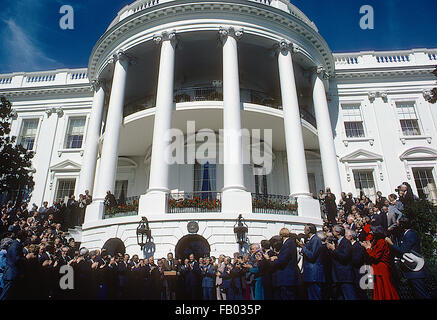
column 379, row 255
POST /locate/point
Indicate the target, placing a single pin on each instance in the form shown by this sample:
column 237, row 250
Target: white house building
column 356, row 122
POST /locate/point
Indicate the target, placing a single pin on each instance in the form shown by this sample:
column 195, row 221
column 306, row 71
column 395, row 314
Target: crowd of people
column 353, row 255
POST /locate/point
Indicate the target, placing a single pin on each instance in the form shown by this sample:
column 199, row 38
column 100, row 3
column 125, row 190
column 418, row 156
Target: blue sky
column 31, row 39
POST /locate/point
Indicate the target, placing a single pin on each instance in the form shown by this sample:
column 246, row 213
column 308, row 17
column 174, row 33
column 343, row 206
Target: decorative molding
column 378, row 94
column 361, row 155
column 58, row 110
column 47, row 91
column 65, row 166
column 404, row 139
column 419, row 153
column 260, row 13
column 165, row 36
column 427, row 94
column 370, row 140
column 224, row 32
column 322, row 73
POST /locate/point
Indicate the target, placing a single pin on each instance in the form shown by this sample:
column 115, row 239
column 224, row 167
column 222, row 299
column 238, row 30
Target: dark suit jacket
column 313, row 270
column 410, row 242
column 192, row 276
column 341, row 259
column 358, row 259
column 14, row 261
column 208, row 276
column 287, row 273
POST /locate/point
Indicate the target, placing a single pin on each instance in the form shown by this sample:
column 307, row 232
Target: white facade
column 228, row 64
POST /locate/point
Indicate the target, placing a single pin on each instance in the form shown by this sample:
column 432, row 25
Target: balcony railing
column 274, row 204
column 211, row 93
column 194, row 202
column 124, row 208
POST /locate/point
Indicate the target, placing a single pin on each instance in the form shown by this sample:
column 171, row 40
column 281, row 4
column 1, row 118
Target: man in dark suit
column 358, row 260
column 192, row 278
column 341, row 259
column 208, row 279
column 13, row 271
column 313, row 271
column 411, row 242
column 285, row 265
column 171, row 264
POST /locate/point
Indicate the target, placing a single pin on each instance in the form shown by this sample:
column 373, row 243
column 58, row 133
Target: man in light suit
column 221, row 265
column 341, row 259
column 285, row 265
column 313, row 270
column 14, row 265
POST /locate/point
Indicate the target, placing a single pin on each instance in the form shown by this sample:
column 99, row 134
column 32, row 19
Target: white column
column 109, row 157
column 331, row 174
column 296, row 161
column 235, row 197
column 86, row 179
column 297, row 168
column 155, row 201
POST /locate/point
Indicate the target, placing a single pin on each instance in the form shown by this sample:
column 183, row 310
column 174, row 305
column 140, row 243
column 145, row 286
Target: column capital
column 120, row 55
column 158, row 38
column 284, row 46
column 225, row 32
column 320, row 71
column 96, row 84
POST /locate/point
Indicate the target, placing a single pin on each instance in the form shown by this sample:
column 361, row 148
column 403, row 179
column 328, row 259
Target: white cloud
column 20, row 53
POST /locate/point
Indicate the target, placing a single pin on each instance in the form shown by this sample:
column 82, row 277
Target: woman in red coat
column 379, row 255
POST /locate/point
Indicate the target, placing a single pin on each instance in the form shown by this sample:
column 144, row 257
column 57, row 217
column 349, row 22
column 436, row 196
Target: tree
column 15, row 160
column 423, row 216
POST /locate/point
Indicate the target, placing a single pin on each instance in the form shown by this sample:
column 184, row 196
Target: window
column 65, row 188
column 75, row 131
column 260, row 181
column 364, row 183
column 353, row 122
column 120, row 191
column 423, row 177
column 205, row 180
column 28, row 133
column 408, row 118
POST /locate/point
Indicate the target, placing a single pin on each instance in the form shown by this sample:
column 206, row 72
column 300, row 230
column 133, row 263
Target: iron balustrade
column 215, row 93
column 198, row 94
column 194, row 202
column 124, row 208
column 273, row 204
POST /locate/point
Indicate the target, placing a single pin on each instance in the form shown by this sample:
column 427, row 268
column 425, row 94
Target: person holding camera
column 413, row 266
column 340, row 252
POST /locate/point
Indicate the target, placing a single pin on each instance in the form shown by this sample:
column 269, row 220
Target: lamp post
column 144, row 233
column 240, row 230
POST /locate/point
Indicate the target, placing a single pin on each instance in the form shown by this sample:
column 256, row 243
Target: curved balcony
column 215, row 93
column 205, row 202
column 141, row 5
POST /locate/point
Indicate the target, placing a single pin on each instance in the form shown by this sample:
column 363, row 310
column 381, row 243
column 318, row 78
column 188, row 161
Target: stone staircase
column 75, row 233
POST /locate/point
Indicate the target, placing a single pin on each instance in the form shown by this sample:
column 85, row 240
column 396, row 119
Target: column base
column 153, row 203
column 308, row 207
column 236, row 201
column 94, row 211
